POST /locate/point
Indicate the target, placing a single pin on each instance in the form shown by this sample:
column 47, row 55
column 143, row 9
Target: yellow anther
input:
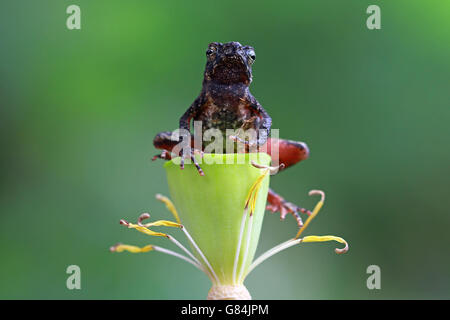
column 315, row 211
column 250, row 201
column 169, row 205
column 327, row 238
column 164, row 223
column 144, row 228
column 133, row 249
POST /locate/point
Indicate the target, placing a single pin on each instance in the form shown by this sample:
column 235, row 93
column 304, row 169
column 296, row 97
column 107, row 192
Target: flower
column 223, row 211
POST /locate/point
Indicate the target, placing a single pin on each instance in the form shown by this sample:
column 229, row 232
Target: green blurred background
column 79, row 109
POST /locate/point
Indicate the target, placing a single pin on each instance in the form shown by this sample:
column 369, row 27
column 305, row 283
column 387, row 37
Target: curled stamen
column 343, row 250
column 317, row 192
column 328, row 238
column 272, row 170
column 124, row 222
column 314, row 212
column 143, row 217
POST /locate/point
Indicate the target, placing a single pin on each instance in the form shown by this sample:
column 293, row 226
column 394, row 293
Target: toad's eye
column 209, row 52
column 252, row 55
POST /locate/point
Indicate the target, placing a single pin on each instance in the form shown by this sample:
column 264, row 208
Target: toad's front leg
column 260, row 123
column 169, row 146
column 187, row 151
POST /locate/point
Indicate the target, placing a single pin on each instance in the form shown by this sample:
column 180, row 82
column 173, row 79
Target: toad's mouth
column 231, row 69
